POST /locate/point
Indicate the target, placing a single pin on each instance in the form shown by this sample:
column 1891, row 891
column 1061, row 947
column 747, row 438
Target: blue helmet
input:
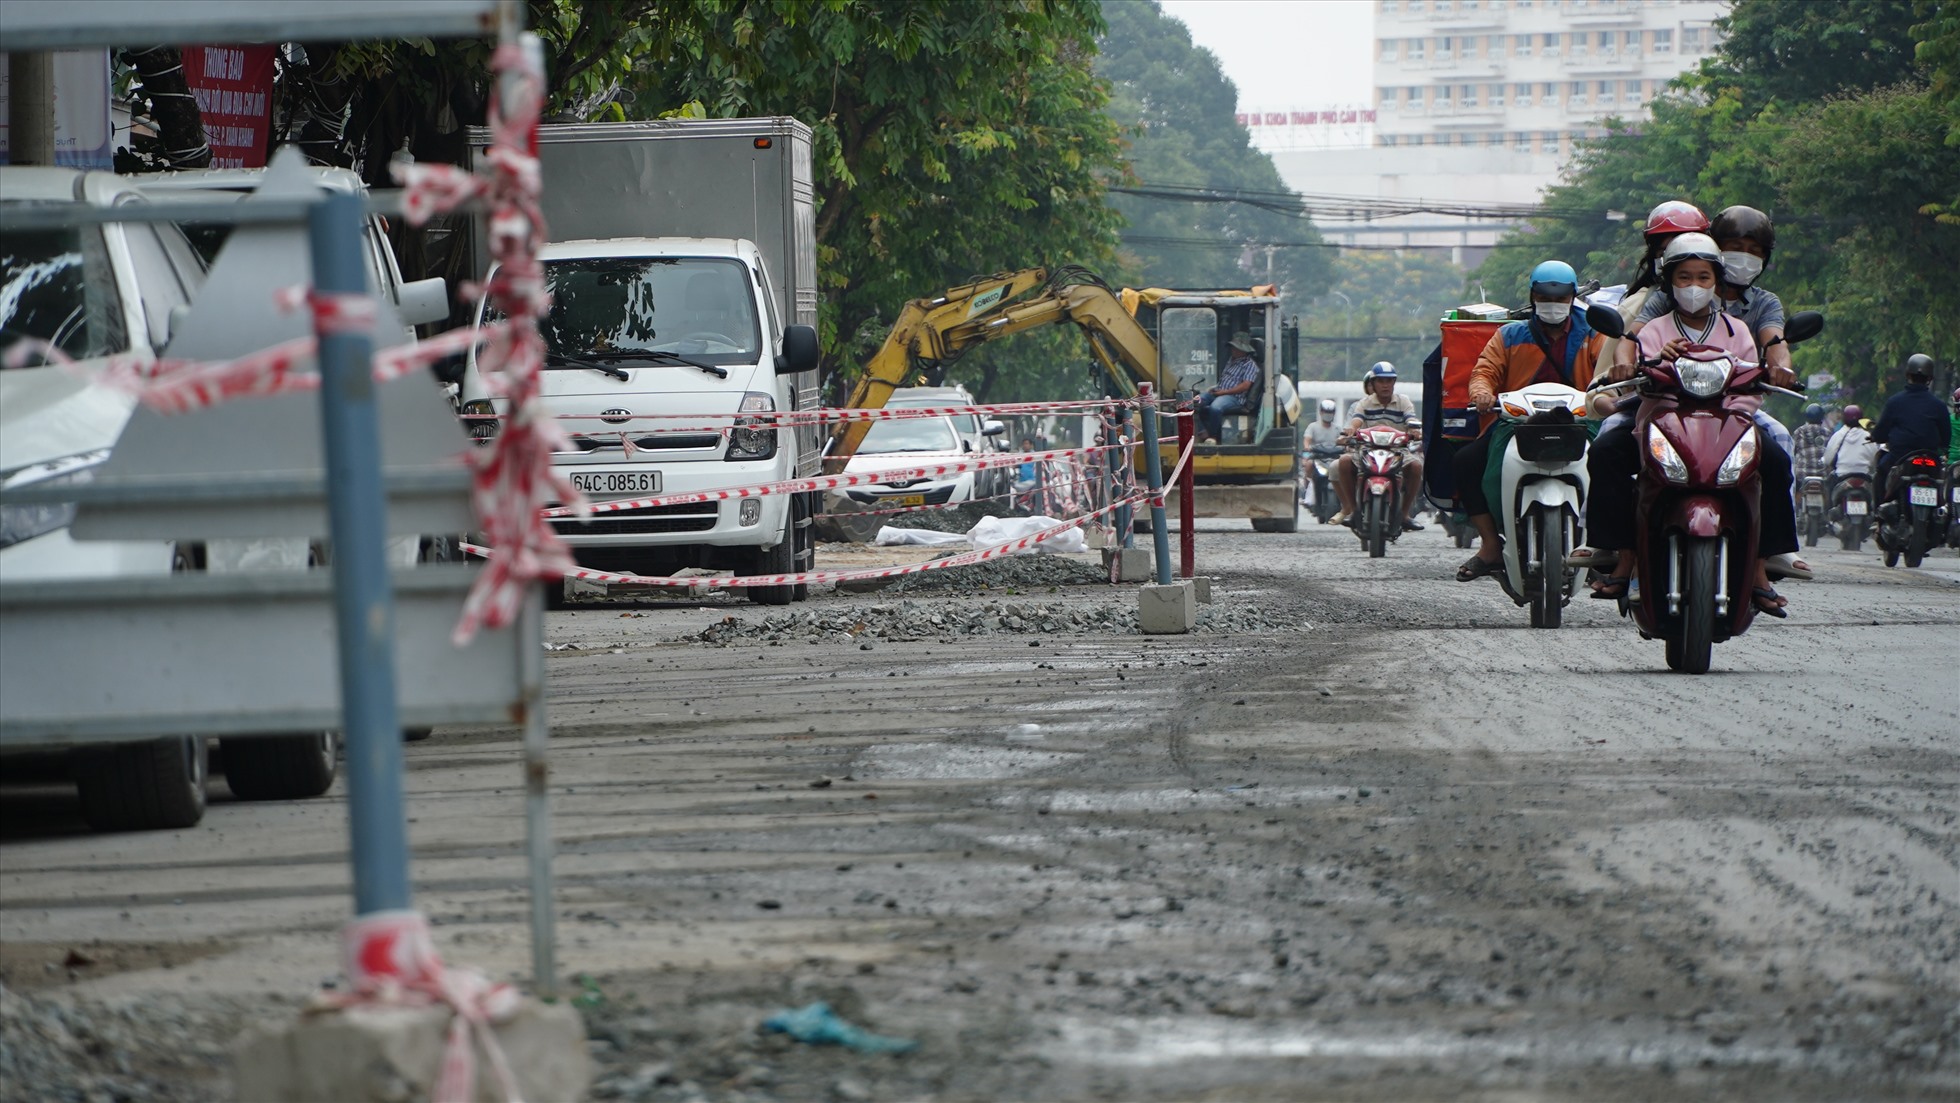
column 1382, row 370
column 1554, row 277
column 1814, row 414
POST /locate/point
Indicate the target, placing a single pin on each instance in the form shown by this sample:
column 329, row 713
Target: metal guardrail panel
column 217, row 654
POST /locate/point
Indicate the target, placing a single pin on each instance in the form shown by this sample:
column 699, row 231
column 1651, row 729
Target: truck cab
column 642, row 334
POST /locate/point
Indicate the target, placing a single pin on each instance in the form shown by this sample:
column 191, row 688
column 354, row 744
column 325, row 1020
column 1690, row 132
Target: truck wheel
column 780, row 559
column 281, row 767
column 153, row 785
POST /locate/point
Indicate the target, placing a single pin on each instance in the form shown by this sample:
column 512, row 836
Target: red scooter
column 1380, row 454
column 1699, row 509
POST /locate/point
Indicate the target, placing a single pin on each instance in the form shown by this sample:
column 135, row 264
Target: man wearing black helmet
column 1913, row 421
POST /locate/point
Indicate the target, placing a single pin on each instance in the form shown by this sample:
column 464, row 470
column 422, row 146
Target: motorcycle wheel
column 1378, row 509
column 1915, row 546
column 1548, row 599
column 1698, row 617
column 1891, row 556
column 1814, row 531
column 1851, row 534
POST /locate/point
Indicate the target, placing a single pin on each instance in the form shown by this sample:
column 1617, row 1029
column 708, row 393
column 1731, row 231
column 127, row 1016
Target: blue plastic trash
column 818, row 1025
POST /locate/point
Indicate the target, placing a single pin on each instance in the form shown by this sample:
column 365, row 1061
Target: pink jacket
column 1724, row 332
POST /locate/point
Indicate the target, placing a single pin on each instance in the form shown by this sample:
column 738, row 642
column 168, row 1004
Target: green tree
column 1801, row 51
column 1386, row 309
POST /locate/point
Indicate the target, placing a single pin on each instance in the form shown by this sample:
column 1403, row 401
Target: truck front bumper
column 736, row 522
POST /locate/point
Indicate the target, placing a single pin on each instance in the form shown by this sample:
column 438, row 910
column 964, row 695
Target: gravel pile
column 161, row 1049
column 923, row 620
column 1011, row 572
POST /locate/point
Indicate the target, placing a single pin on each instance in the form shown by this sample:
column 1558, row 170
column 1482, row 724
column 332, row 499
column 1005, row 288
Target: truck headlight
column 747, row 440
column 1739, row 457
column 1664, row 455
column 480, row 418
column 23, row 521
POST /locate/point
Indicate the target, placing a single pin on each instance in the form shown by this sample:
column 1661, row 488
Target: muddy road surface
column 1386, row 844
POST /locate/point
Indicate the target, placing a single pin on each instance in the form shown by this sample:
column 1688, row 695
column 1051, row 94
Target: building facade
column 1530, row 75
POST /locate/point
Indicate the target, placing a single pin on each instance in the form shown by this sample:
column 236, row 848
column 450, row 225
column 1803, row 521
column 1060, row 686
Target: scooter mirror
column 1605, row 319
column 1804, row 325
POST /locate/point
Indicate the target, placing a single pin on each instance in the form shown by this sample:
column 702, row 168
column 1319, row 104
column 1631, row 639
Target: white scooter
column 1543, row 496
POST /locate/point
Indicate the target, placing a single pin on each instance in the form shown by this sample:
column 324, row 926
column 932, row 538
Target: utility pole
column 30, row 108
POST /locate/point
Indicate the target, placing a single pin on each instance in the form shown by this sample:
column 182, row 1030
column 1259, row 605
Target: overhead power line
column 1328, row 207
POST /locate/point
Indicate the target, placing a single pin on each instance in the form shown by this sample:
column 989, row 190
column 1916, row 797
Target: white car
column 906, row 443
column 983, row 434
column 93, row 292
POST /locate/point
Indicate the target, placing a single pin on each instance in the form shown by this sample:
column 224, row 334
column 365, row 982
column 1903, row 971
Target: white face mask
column 1552, row 314
column 1741, row 269
column 1693, row 300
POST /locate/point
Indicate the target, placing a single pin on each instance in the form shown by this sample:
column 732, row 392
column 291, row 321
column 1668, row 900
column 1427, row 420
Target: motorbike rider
column 1323, row 436
column 1554, row 345
column 1690, row 275
column 1913, row 421
column 1850, row 450
column 1953, row 427
column 1665, row 222
column 1807, row 455
column 1381, row 406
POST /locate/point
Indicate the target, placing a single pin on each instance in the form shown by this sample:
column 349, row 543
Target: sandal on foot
column 1769, row 602
column 1475, row 568
column 1583, row 557
column 1610, row 587
column 1787, row 565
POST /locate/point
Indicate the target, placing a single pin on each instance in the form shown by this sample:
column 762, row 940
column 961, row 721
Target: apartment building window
column 1605, row 43
column 1440, row 95
column 1415, row 50
column 1415, row 6
column 1631, row 97
column 1664, row 42
column 1521, row 45
column 1388, row 49
column 1549, row 43
column 1445, row 48
column 1521, row 95
column 1469, row 5
column 1691, row 40
column 1576, row 92
column 1630, row 43
column 1496, row 95
column 1391, row 5
column 1603, row 93
column 1524, row 141
column 1577, row 47
column 1494, row 45
column 1443, row 5
column 1467, row 95
column 1548, row 94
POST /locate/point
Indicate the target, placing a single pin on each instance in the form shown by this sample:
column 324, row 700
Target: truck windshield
column 613, row 307
column 56, row 287
column 925, row 434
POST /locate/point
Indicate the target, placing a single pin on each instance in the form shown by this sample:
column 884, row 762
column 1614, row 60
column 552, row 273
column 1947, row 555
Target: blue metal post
column 1159, row 531
column 364, row 600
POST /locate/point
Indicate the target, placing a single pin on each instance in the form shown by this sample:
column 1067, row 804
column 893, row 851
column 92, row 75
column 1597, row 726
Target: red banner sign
column 233, row 87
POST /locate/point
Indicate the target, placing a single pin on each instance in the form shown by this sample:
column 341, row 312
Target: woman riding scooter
column 1554, row 345
column 1690, row 277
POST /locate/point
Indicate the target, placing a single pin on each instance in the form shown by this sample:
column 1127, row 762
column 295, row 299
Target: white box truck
column 682, row 265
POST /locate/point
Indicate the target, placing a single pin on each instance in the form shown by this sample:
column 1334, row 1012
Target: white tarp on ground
column 989, row 532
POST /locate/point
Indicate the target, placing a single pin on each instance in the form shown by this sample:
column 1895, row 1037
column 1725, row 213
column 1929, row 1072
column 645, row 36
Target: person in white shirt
column 1382, row 406
column 1851, row 450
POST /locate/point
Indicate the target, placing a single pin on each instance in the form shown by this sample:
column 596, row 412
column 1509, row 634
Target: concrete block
column 1167, row 610
column 1201, row 584
column 393, row 1055
column 579, row 587
column 1138, row 565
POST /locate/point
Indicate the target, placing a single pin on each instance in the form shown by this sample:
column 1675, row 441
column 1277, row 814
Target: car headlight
column 1703, row 378
column 1664, row 454
column 748, row 441
column 1739, row 457
column 23, row 521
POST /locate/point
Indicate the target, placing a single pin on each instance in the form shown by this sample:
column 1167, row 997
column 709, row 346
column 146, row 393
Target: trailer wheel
column 1279, row 524
column 153, row 785
column 281, row 767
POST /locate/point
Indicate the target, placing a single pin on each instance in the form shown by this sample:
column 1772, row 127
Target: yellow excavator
column 1173, row 339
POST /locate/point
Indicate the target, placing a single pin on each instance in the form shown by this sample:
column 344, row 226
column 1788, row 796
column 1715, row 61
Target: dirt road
column 1405, row 848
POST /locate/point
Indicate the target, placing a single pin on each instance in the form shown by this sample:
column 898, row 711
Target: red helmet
column 1676, row 217
column 1853, row 415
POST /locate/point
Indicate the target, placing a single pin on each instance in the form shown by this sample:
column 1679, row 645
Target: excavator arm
column 940, row 329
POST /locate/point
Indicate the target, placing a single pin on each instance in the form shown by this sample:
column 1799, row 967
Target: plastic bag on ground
column 817, row 1025
column 892, row 536
column 999, row 530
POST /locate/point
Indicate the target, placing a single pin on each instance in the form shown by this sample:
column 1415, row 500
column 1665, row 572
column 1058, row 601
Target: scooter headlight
column 1703, row 378
column 1739, row 457
column 1664, row 454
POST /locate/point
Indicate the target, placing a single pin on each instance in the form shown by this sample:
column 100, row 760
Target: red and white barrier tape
column 820, row 482
column 514, row 476
column 390, row 960
column 830, row 414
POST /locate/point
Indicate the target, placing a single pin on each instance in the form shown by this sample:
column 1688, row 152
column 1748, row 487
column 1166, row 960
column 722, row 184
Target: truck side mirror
column 1605, row 319
column 992, row 429
column 1804, row 325
column 799, row 350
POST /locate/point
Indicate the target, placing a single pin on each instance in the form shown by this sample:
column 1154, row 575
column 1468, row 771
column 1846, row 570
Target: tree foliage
column 1857, row 160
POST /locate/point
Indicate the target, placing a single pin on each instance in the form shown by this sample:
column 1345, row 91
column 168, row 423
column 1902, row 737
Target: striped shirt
column 1241, row 369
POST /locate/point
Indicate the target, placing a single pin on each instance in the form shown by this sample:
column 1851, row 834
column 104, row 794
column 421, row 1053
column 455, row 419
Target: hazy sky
column 1287, row 53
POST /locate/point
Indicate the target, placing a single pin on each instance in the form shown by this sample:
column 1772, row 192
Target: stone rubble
column 944, row 620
